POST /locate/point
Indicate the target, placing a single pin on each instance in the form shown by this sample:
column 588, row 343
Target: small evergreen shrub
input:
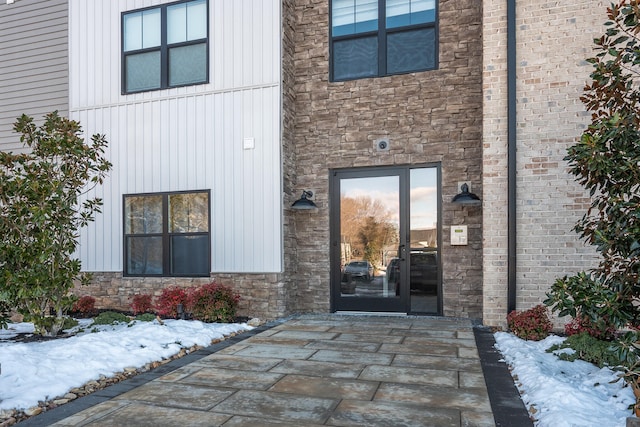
column 146, row 317
column 141, row 303
column 588, row 348
column 532, row 324
column 110, row 318
column 69, row 322
column 167, row 302
column 213, row 303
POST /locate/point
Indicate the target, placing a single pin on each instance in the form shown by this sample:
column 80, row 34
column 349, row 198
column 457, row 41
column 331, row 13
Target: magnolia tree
column 606, row 161
column 42, row 209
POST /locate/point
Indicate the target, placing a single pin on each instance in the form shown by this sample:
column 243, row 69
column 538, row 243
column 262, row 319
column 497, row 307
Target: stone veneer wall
column 289, row 178
column 432, row 116
column 262, row 295
column 553, row 40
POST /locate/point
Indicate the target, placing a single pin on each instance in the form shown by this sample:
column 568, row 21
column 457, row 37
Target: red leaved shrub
column 141, row 303
column 582, row 324
column 532, row 324
column 213, row 303
column 167, row 302
column 85, row 306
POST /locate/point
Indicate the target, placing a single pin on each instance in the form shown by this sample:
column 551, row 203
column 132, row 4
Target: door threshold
column 372, row 313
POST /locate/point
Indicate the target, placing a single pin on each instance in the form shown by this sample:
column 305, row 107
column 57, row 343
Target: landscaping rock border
column 10, row 417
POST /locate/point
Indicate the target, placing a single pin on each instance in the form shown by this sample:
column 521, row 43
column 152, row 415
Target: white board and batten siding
column 188, row 138
column 34, row 72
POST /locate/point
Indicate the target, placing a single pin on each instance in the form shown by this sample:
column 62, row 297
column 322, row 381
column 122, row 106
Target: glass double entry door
column 385, row 240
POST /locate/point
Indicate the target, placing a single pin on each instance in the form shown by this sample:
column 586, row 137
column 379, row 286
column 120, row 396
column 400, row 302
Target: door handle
column 402, row 252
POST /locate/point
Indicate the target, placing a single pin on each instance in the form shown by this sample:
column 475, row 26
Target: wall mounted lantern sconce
column 465, row 197
column 303, row 203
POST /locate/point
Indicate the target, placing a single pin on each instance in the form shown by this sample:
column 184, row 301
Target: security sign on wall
column 458, row 235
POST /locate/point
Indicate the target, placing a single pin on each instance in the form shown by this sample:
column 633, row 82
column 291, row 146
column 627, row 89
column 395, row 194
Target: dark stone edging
column 506, row 404
column 99, row 396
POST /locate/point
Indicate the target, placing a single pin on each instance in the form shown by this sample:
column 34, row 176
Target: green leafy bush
column 213, row 303
column 146, row 317
column 606, row 162
column 532, row 324
column 167, row 302
column 141, row 303
column 42, row 207
column 584, row 296
column 588, row 348
column 110, row 318
column 69, row 322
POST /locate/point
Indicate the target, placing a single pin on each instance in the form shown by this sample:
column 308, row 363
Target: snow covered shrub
column 532, row 324
column 141, row 303
column 85, row 306
column 213, row 303
column 167, row 302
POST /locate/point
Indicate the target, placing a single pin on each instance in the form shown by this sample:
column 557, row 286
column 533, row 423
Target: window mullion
column 382, row 37
column 164, row 51
column 166, row 238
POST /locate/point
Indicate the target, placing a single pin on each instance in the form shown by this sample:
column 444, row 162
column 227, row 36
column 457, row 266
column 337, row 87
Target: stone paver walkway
column 324, row 370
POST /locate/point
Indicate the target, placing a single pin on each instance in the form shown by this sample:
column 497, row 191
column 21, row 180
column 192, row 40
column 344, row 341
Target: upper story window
column 165, row 46
column 372, row 38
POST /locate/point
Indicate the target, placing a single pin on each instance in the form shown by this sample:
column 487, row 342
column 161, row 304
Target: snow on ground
column 35, row 371
column 565, row 394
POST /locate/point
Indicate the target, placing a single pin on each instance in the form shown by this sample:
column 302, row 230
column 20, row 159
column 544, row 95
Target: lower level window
column 167, row 234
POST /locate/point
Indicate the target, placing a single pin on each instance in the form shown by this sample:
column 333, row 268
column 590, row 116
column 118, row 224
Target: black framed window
column 167, row 234
column 165, row 46
column 371, row 38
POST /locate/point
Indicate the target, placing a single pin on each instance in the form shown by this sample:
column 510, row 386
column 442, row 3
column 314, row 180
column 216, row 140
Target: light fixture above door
column 465, row 197
column 303, row 203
